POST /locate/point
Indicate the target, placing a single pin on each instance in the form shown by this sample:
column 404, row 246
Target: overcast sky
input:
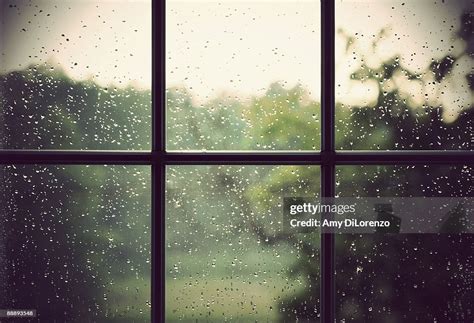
column 109, row 41
column 233, row 47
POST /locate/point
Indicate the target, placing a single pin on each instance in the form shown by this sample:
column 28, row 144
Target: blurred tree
column 43, row 108
column 398, row 283
column 64, row 243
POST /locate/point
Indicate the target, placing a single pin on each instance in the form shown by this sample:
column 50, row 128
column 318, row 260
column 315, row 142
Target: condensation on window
column 227, row 257
column 405, row 277
column 404, row 75
column 75, row 242
column 75, row 74
column 243, row 75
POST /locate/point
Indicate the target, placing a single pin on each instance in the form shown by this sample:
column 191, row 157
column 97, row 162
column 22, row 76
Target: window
column 173, row 253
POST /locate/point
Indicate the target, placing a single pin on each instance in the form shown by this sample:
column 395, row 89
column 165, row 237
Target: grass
column 208, row 291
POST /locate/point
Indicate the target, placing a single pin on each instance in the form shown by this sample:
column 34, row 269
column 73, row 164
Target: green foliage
column 44, row 109
column 282, row 120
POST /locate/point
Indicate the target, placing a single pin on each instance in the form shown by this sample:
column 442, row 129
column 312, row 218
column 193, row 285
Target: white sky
column 233, row 47
column 110, row 41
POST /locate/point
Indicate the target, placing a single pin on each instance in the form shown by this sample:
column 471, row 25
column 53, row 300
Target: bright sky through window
column 235, row 47
column 106, row 41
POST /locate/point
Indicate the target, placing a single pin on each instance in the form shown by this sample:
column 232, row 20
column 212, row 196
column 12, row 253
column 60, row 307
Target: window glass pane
column 404, row 277
column 243, row 75
column 75, row 74
column 227, row 257
column 75, row 242
column 404, row 74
